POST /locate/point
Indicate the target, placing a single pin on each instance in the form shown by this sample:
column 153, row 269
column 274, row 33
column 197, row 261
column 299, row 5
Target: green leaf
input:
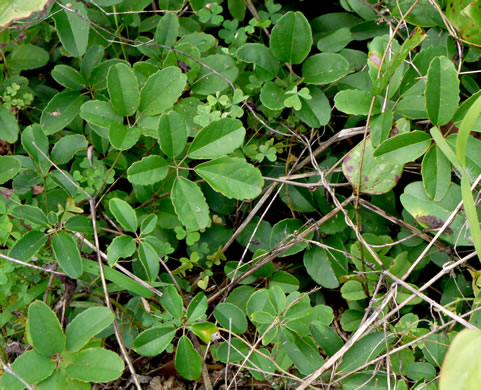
column 189, row 204
column 381, row 126
column 172, row 302
column 97, row 365
column 161, row 91
column 471, row 214
column 67, row 147
column 324, row 68
column 31, row 366
column 442, row 91
column 172, row 134
column 98, row 74
column 197, row 307
column 326, row 337
column 278, row 298
column 445, row 148
column 60, row 111
column 319, row 267
column 233, row 177
column 27, row 57
column 416, row 37
column 72, row 30
column 303, row 353
column 149, row 170
column 217, row 139
column 154, row 341
column 13, row 10
column 364, row 350
column 122, row 137
column 272, row 96
column 123, row 281
column 188, row 362
column 187, row 54
column 9, row 167
column 291, row 38
column 352, row 291
column 9, row 125
column 237, row 9
column 86, row 325
column 44, row 328
column 315, row 112
column 34, row 135
column 99, row 113
column 436, row 173
column 210, row 83
column 123, row 89
column 262, row 317
column 167, row 30
column 378, row 176
column 204, row 330
column 404, row 148
column 266, row 65
column 124, row 214
column 30, row 213
column 335, row 41
column 284, row 280
column 67, row 254
column 230, row 317
column 433, row 214
column 461, row 368
column 149, row 259
column 284, row 228
column 120, row 247
column 148, row 225
column 28, row 245
column 465, row 129
column 68, row 77
column 356, row 102
column 420, row 371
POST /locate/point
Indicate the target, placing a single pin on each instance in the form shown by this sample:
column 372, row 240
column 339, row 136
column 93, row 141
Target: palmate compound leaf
column 217, row 139
column 233, row 177
column 189, row 204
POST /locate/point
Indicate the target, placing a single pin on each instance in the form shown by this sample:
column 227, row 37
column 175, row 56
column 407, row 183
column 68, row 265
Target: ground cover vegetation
column 240, row 194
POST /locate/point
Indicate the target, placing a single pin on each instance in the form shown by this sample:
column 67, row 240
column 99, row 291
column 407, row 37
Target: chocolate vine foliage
column 240, row 193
